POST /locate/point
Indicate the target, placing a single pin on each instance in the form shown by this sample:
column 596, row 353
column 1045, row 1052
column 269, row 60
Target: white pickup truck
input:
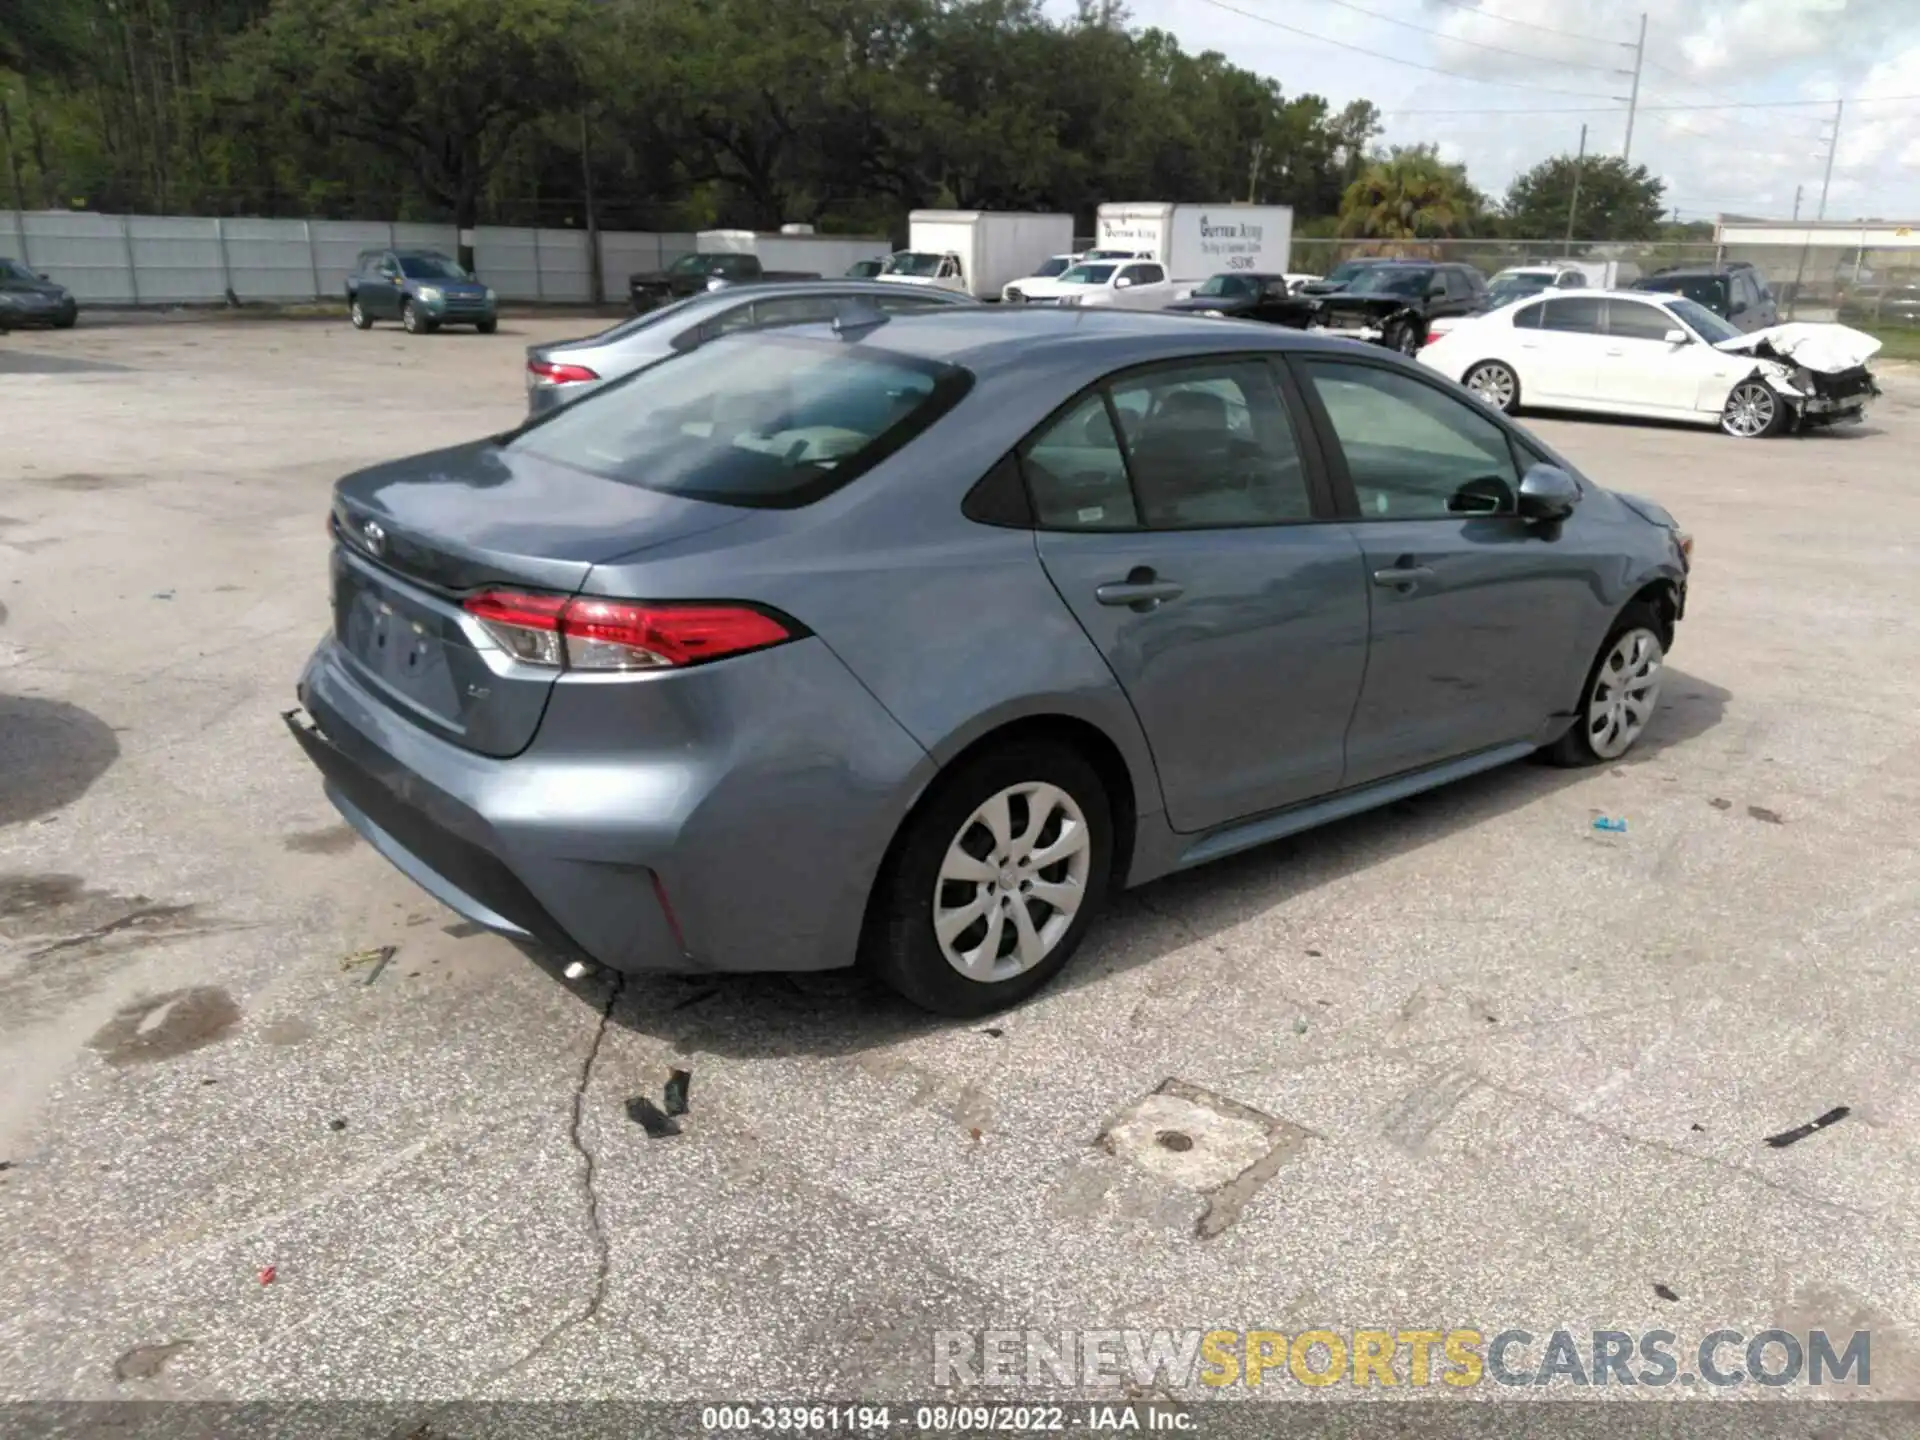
column 1118, row 284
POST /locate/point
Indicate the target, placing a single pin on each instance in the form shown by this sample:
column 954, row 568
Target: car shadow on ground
column 845, row 1012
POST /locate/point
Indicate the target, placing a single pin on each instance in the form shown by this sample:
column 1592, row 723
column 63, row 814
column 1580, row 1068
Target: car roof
column 975, row 335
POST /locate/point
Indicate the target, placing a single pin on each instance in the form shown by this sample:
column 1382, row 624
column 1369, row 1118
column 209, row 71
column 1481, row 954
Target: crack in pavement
column 603, row 1250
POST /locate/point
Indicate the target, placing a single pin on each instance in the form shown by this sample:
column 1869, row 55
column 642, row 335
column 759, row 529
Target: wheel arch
column 1660, row 594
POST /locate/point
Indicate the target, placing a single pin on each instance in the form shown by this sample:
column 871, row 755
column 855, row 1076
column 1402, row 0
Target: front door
column 385, row 288
column 1195, row 542
column 1474, row 611
column 1639, row 366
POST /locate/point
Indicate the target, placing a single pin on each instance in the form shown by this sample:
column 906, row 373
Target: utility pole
column 1796, row 200
column 1833, row 148
column 597, row 291
column 1633, row 101
column 1573, row 206
column 1253, row 174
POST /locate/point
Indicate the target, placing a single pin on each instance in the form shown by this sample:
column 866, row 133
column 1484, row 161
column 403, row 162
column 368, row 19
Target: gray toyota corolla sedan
column 905, row 639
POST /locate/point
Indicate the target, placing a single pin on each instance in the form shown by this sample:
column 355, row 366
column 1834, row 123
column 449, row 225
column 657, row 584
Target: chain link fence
column 1853, row 284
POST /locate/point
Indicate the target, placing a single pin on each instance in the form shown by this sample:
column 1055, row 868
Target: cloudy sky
column 1542, row 61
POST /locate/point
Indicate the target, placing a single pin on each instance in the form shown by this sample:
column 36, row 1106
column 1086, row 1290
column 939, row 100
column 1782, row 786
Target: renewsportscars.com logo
column 1457, row 1357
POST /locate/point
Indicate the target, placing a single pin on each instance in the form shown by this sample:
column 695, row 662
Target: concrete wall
column 171, row 260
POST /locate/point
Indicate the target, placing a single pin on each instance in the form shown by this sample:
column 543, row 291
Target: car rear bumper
column 729, row 819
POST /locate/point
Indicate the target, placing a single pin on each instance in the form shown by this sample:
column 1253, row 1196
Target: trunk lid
column 414, row 537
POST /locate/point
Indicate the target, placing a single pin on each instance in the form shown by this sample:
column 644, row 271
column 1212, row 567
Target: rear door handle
column 1139, row 592
column 1403, row 577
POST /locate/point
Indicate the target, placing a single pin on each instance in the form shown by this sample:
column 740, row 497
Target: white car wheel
column 1496, row 384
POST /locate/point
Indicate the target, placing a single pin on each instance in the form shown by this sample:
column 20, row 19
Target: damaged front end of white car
column 1804, row 375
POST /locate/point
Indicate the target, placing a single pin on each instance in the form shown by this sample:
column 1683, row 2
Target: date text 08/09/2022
column 942, row 1419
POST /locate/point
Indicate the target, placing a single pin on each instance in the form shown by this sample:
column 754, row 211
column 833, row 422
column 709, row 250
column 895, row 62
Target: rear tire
column 1621, row 694
column 1754, row 411
column 361, row 320
column 1496, row 385
column 962, row 867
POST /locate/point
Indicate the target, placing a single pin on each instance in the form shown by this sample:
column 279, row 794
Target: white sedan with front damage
column 1661, row 357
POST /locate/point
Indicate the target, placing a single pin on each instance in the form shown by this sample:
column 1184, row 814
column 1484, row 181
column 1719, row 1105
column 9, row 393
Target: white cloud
column 1700, row 53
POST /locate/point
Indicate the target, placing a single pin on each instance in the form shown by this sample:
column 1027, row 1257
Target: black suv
column 1393, row 303
column 1736, row 291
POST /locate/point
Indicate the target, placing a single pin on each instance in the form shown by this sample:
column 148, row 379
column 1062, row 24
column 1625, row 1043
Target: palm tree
column 1410, row 194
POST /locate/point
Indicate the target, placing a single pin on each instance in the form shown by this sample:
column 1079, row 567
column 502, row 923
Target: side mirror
column 1122, row 283
column 1739, row 307
column 1548, row 493
column 1677, row 337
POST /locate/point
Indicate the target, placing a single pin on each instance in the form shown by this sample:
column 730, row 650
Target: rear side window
column 1076, row 472
column 1528, row 317
column 1580, row 315
column 766, row 420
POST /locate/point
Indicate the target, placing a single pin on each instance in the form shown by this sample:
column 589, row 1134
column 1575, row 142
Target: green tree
column 1617, row 201
column 443, row 86
column 1410, row 194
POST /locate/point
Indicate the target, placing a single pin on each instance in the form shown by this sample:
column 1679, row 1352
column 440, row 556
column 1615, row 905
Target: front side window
column 1050, row 268
column 1632, row 320
column 764, row 419
column 1088, row 275
column 1413, row 452
column 1704, row 323
column 1226, row 286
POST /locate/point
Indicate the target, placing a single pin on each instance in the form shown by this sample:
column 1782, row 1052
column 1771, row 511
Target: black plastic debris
column 1801, row 1132
column 1701, row 1129
column 1721, row 803
column 336, row 1124
column 657, row 1123
column 993, row 1032
column 1761, row 813
column 676, row 1092
column 1665, row 1292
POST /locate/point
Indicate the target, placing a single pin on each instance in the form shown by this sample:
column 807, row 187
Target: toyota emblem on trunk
column 375, row 536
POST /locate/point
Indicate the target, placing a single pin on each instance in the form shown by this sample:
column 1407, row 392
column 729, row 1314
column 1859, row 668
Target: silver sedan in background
column 560, row 373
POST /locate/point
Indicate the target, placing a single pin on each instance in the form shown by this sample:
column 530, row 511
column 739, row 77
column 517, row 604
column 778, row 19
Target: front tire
column 486, row 327
column 1495, row 384
column 361, row 320
column 993, row 881
column 413, row 322
column 1754, row 411
column 1621, row 694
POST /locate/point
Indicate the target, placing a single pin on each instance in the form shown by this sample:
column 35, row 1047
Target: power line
column 1477, row 44
column 1649, row 109
column 1396, row 60
column 1526, row 24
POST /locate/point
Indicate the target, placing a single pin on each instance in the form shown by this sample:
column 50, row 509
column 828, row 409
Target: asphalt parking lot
column 1519, row 1071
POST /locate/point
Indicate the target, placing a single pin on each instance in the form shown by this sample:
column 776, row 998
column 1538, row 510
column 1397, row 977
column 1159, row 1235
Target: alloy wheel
column 1625, row 691
column 1011, row 882
column 1750, row 410
column 358, row 315
column 1494, row 384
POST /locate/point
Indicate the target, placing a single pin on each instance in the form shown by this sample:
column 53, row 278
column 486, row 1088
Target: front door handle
column 1142, row 590
column 1403, row 577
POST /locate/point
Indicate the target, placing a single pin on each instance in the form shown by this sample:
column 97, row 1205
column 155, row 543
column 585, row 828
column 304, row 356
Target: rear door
column 1473, row 610
column 1564, row 354
column 1183, row 517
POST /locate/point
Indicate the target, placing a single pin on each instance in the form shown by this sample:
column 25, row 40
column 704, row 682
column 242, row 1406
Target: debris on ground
column 143, row 1362
column 577, row 969
column 993, row 1032
column 1603, row 822
column 1700, row 1129
column 1770, row 817
column 676, row 1091
column 657, row 1123
column 376, row 956
column 974, row 1132
column 1720, row 803
column 1801, row 1132
column 268, row 1273
column 1665, row 1292
column 336, row 1124
column 1300, row 1025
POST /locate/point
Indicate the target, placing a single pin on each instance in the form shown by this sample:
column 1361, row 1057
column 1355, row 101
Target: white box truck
column 1195, row 241
column 976, row 251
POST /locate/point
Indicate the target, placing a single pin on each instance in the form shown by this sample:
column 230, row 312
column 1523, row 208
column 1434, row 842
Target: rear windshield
column 769, row 421
column 1707, row 290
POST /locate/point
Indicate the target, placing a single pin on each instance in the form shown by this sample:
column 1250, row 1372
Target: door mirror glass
column 1548, row 493
column 1122, row 283
column 1436, row 290
column 1676, row 337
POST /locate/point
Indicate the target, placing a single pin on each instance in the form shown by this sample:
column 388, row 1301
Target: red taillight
column 545, row 372
column 592, row 634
